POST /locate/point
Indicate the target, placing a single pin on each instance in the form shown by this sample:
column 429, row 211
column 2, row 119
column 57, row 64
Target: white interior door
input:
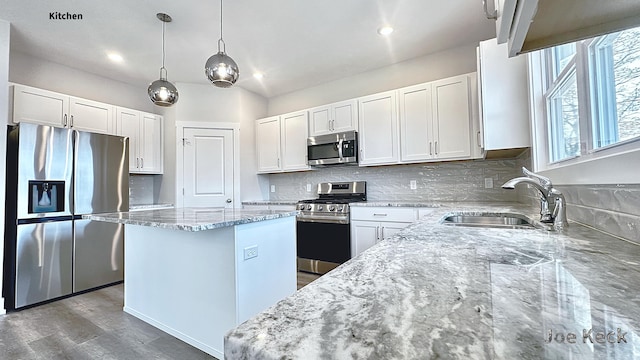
column 208, row 167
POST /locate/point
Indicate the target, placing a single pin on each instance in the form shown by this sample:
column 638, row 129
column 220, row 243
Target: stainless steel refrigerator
column 54, row 176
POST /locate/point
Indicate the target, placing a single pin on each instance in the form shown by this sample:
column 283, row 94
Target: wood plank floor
column 92, row 326
column 87, row 326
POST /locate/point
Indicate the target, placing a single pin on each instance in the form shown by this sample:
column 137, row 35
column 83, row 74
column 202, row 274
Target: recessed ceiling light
column 115, row 57
column 385, row 30
column 258, row 75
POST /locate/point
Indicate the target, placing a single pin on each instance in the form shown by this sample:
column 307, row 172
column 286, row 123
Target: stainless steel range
column 323, row 233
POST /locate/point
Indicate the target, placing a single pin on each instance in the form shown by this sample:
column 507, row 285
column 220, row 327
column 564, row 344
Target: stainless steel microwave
column 339, row 148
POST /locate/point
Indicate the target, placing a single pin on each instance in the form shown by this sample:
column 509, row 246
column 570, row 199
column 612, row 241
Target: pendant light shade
column 220, row 68
column 162, row 92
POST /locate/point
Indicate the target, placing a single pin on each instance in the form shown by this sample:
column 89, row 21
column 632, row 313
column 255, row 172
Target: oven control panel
column 324, row 208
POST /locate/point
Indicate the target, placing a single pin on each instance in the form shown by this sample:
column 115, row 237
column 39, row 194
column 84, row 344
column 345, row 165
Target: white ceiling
column 295, row 43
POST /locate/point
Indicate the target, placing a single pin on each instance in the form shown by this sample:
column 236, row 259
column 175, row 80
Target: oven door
column 322, row 246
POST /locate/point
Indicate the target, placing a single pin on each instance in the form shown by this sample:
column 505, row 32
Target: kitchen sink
column 508, row 221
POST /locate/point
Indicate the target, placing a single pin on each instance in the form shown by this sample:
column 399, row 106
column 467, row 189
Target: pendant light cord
column 221, row 41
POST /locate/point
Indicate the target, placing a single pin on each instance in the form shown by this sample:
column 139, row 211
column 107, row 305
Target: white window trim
column 615, row 164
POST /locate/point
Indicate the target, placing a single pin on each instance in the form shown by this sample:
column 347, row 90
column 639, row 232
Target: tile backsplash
column 141, row 189
column 447, row 181
column 614, row 209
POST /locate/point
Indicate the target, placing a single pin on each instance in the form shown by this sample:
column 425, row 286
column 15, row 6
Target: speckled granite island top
column 454, row 292
column 191, row 219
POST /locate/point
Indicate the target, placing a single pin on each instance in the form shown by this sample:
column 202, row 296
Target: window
column 590, row 96
column 614, row 64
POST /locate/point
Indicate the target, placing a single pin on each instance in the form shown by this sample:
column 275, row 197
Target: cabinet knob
column 228, row 201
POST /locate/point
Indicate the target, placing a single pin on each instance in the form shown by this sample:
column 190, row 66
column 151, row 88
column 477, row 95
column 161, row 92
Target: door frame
column 235, row 128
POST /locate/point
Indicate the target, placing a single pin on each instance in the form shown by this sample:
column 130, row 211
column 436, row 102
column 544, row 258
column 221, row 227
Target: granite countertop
column 190, row 219
column 270, row 202
column 454, row 292
column 149, row 206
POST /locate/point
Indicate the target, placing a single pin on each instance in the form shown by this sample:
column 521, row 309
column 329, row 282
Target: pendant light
column 220, row 69
column 162, row 92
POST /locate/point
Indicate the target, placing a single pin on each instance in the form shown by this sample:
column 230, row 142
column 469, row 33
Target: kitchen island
column 196, row 273
column 454, row 292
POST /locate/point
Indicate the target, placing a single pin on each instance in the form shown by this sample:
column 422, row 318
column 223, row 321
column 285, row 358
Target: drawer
column 384, row 214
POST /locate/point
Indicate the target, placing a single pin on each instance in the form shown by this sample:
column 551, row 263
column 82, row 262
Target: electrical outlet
column 273, row 188
column 413, row 185
column 488, row 183
column 308, row 187
column 250, row 252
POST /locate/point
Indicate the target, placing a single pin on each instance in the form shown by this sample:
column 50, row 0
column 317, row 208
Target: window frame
column 614, row 156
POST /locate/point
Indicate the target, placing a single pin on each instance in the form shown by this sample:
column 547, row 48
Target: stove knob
column 332, row 208
column 340, row 208
column 309, row 207
column 320, row 207
column 301, row 207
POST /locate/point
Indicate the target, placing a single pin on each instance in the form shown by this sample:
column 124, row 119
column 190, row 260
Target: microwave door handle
column 340, row 149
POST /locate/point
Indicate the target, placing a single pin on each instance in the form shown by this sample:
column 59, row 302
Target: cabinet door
column 294, row 141
column 506, row 124
column 378, row 129
column 388, row 229
column 452, row 118
column 92, row 116
column 151, row 144
column 40, row 106
column 268, row 144
column 128, row 124
column 344, row 116
column 320, row 120
column 364, row 234
column 416, row 117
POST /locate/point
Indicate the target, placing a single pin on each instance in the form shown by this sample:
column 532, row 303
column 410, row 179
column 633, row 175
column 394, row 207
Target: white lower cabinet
column 369, row 225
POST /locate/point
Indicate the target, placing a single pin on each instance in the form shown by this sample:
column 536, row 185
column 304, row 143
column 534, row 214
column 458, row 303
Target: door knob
column 228, row 201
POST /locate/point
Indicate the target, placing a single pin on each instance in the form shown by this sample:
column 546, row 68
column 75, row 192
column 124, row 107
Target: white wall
column 207, row 103
column 4, row 119
column 456, row 61
column 31, row 71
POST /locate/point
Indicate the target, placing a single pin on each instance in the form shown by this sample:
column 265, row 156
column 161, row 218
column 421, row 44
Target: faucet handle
column 544, row 181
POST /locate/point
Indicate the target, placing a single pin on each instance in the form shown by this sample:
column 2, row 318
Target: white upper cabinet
column 452, row 118
column 416, row 123
column 146, row 142
column 50, row 108
column 92, row 116
column 281, row 143
column 504, row 97
column 378, row 123
column 151, row 144
column 40, row 106
column 437, row 120
column 268, row 144
column 293, row 140
column 332, row 118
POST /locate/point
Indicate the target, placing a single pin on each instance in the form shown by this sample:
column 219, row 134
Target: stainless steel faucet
column 552, row 204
